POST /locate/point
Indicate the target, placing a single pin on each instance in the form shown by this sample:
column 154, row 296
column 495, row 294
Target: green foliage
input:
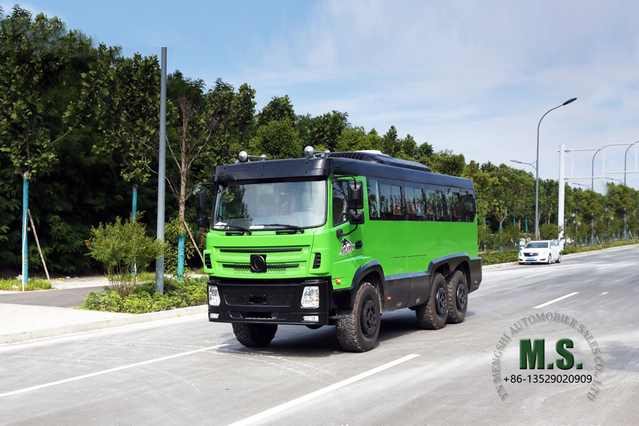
column 278, row 109
column 496, row 258
column 143, row 298
column 16, row 285
column 117, row 246
column 37, row 59
column 356, row 139
column 277, row 139
column 548, row 231
column 445, row 162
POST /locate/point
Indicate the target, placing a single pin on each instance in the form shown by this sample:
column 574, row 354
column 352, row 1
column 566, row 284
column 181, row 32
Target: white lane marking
column 556, row 300
column 308, row 397
column 604, row 293
column 111, row 370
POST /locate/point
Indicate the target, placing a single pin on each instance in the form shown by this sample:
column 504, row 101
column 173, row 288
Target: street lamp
column 537, row 168
column 625, row 158
column 521, row 162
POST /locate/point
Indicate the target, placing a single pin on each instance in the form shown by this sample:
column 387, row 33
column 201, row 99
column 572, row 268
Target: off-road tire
column 433, row 314
column 457, row 297
column 254, row 335
column 358, row 330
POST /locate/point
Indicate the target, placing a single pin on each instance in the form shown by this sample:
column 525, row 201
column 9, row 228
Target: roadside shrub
column 143, row 298
column 124, row 250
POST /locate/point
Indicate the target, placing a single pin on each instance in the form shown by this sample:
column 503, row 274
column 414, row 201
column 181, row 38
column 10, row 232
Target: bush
column 143, row 298
column 495, row 258
column 124, row 250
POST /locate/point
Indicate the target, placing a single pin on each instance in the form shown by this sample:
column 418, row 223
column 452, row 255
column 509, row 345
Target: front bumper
column 269, row 301
column 540, row 258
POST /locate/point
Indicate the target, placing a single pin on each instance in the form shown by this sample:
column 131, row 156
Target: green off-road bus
column 337, row 239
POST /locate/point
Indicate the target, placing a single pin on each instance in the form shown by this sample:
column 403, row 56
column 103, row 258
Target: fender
column 343, row 298
column 473, row 272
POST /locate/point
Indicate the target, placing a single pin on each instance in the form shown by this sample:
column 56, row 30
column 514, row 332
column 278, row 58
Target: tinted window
column 373, row 198
column 396, row 199
column 340, row 202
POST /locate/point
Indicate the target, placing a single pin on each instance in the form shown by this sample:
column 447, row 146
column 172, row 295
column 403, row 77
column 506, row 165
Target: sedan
column 540, row 252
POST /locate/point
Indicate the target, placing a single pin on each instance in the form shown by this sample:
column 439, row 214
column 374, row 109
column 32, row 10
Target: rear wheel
column 433, row 314
column 457, row 297
column 358, row 331
column 254, row 335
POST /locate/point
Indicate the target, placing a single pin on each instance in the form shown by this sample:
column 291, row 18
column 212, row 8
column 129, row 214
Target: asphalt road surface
column 190, row 371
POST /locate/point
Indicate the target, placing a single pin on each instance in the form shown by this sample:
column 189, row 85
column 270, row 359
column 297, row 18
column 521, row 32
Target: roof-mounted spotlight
column 309, row 151
column 243, row 157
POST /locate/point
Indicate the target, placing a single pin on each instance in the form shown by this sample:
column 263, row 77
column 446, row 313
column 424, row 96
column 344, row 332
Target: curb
column 129, row 319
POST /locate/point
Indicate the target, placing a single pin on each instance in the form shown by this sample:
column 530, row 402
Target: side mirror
column 355, row 195
column 200, row 192
column 356, row 217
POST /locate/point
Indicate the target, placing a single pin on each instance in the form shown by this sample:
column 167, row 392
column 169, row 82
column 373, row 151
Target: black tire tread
column 427, row 317
column 254, row 335
column 347, row 327
column 454, row 315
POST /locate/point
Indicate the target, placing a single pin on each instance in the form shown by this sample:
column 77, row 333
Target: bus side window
column 419, row 203
column 397, row 205
column 409, row 193
column 373, row 198
column 469, row 206
column 454, row 206
column 385, row 202
column 431, row 208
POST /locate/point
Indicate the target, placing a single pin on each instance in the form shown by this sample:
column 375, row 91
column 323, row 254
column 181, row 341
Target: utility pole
column 159, row 262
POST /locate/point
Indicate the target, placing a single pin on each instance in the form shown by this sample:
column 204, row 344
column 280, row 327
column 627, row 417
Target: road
column 189, row 371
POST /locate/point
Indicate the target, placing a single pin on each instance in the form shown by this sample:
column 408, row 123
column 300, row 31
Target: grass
column 15, row 285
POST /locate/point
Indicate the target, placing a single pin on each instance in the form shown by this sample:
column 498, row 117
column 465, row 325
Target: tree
column 447, row 163
column 127, row 114
column 196, row 118
column 390, row 142
column 356, row 139
column 326, row 129
column 277, row 109
column 277, row 139
column 37, row 56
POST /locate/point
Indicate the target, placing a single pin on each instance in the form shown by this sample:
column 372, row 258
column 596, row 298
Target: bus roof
column 356, row 163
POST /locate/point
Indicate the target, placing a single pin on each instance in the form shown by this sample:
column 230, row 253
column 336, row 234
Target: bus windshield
column 267, row 206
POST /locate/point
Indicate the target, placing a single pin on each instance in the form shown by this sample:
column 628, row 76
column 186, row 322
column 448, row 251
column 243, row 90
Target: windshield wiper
column 234, row 227
column 287, row 227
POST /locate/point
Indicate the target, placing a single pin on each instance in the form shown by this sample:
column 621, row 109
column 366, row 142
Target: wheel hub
column 461, row 297
column 369, row 317
column 441, row 302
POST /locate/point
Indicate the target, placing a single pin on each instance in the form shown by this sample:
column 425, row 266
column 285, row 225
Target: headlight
column 214, row 296
column 310, row 297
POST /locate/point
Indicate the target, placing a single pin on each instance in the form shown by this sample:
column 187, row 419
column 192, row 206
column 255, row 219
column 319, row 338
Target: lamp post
column 625, row 215
column 625, row 158
column 537, row 167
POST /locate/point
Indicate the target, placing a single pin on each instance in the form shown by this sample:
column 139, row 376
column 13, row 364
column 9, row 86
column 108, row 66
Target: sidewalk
column 38, row 314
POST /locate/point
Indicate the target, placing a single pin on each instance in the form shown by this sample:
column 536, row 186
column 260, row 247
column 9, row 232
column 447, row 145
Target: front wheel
column 254, row 335
column 358, row 331
column 433, row 314
column 559, row 258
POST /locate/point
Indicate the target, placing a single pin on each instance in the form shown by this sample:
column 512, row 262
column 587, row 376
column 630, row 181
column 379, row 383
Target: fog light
column 311, row 318
column 214, row 316
column 214, row 296
column 310, row 297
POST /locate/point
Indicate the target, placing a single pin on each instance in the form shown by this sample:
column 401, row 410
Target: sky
column 474, row 77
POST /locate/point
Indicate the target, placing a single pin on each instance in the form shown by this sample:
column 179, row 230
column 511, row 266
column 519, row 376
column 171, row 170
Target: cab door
column 346, row 246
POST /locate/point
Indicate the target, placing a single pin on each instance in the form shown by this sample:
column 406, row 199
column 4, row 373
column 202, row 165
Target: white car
column 540, row 252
